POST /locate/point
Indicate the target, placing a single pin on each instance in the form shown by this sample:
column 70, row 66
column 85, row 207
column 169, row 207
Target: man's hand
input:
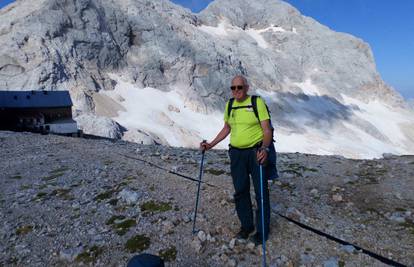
column 205, row 145
column 261, row 155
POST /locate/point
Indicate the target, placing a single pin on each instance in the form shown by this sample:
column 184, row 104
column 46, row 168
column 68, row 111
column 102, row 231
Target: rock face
column 312, row 78
column 101, row 126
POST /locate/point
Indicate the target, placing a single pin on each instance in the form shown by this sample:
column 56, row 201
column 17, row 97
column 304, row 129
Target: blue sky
column 387, row 25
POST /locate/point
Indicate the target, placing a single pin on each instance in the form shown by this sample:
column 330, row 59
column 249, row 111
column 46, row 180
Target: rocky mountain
column 159, row 72
column 81, row 202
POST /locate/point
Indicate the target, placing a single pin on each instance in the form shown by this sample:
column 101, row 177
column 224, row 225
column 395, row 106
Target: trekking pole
column 198, row 189
column 262, row 214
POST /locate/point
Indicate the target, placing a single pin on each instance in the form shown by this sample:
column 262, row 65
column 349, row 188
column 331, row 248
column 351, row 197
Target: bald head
column 239, row 80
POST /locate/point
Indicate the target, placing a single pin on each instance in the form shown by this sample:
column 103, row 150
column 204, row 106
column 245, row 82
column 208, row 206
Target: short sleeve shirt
column 246, row 130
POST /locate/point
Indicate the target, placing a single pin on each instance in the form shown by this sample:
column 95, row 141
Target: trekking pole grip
column 204, row 150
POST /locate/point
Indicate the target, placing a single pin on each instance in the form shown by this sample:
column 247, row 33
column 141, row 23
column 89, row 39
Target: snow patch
column 256, row 35
column 225, row 29
column 383, row 117
column 308, row 87
column 163, row 114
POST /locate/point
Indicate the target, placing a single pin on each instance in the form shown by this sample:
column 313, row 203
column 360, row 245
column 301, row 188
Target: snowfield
column 164, row 115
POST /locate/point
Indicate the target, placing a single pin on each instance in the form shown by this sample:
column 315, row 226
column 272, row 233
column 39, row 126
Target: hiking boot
column 243, row 234
column 257, row 239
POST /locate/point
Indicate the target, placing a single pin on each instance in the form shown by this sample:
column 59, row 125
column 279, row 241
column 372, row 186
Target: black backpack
column 270, row 168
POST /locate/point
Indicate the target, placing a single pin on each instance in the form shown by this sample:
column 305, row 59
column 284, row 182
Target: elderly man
column 250, row 138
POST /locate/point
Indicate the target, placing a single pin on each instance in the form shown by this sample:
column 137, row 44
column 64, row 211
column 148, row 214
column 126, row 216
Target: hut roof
column 35, row 99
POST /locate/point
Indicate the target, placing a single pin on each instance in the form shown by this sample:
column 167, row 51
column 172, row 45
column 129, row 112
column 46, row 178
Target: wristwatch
column 264, row 148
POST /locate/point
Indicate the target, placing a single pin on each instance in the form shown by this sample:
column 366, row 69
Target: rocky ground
column 71, row 202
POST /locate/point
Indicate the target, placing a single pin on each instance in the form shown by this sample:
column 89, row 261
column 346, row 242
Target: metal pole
column 262, row 214
column 198, row 189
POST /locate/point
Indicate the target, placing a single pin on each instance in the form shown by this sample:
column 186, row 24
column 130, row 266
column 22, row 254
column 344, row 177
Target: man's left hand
column 261, row 156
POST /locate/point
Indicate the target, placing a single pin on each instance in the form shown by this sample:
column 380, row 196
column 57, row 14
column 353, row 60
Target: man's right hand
column 205, row 146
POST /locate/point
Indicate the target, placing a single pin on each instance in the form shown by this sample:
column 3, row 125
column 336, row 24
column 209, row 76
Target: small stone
column 224, row 248
column 397, row 218
column 202, row 236
column 232, row 243
column 348, row 249
column 196, row 244
column 314, row 192
column 332, row 262
column 307, row 259
column 337, row 198
column 232, row 263
column 165, row 157
column 335, row 189
column 168, row 227
column 70, row 254
column 128, row 196
column 250, row 245
column 186, row 218
column 224, row 258
column 276, row 207
column 295, row 214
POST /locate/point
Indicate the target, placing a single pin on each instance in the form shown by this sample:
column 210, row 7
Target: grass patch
column 152, row 188
column 16, row 177
column 287, row 186
column 297, row 169
column 56, row 173
column 169, row 254
column 104, row 195
column 113, row 201
column 215, row 172
column 400, row 209
column 130, row 178
column 25, row 187
column 341, row 263
column 62, row 193
column 108, row 162
column 90, row 255
column 41, row 196
column 409, row 225
column 115, row 218
column 138, row 243
column 153, row 206
column 120, row 224
column 123, row 227
column 24, row 230
column 372, row 174
column 295, row 172
column 52, row 176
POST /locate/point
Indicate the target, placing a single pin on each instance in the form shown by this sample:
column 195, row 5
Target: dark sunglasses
column 238, row 87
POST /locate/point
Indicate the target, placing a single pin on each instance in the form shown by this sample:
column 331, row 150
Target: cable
column 169, row 171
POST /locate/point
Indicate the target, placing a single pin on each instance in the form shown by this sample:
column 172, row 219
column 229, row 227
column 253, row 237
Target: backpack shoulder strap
column 230, row 106
column 254, row 105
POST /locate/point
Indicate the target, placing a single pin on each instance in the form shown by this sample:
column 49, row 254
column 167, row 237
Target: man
column 250, row 138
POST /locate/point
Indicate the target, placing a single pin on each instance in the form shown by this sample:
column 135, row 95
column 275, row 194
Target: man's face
column 239, row 89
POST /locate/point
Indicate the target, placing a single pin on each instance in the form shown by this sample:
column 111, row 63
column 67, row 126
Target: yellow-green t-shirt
column 246, row 130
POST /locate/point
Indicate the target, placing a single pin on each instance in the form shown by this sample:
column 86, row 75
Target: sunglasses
column 238, row 87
